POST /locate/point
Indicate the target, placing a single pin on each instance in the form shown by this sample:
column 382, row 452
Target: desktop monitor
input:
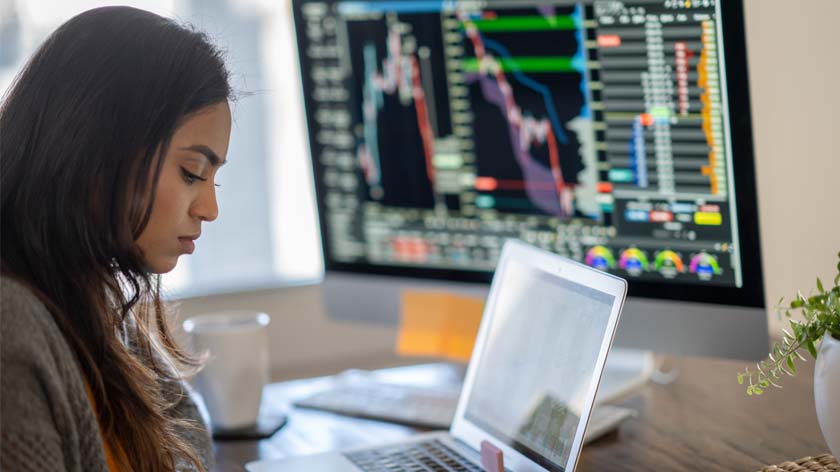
column 616, row 133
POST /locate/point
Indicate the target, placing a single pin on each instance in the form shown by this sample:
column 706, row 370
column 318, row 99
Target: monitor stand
column 626, row 371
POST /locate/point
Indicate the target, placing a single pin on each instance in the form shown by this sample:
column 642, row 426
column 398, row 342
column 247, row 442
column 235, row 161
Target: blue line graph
column 638, row 153
column 580, row 61
column 533, row 85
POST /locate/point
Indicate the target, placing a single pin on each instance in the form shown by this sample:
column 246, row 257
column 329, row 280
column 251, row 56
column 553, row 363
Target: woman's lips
column 187, row 245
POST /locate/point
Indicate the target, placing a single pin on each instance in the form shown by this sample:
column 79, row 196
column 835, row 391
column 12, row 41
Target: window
column 266, row 234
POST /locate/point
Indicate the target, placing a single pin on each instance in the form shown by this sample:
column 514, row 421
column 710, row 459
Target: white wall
column 304, row 341
column 794, row 73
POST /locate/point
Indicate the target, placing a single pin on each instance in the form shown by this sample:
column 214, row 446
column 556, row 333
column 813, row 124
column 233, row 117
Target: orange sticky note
column 438, row 324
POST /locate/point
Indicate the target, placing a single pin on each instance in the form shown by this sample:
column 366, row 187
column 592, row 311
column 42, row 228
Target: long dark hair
column 84, row 132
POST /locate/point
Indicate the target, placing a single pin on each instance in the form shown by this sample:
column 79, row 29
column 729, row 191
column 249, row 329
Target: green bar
column 526, row 64
column 518, row 203
column 485, row 201
column 661, row 112
column 448, row 161
column 526, row 23
column 621, row 175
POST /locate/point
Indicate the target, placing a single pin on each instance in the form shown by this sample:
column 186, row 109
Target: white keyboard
column 425, row 408
column 414, row 406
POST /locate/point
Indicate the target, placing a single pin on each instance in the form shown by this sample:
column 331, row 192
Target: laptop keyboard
column 426, row 456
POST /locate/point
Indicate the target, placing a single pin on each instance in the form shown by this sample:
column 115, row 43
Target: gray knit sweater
column 46, row 420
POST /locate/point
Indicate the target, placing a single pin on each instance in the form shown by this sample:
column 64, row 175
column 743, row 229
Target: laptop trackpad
column 328, row 462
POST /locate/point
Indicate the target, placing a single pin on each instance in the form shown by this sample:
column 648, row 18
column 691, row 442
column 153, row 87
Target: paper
column 438, row 324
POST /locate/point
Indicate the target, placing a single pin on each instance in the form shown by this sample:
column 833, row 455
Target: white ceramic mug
column 232, row 380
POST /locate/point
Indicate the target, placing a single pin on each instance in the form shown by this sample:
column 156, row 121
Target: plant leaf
column 797, row 329
column 791, row 364
column 810, row 345
column 818, row 313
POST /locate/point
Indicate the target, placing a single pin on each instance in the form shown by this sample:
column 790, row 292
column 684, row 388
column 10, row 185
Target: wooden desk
column 702, row 421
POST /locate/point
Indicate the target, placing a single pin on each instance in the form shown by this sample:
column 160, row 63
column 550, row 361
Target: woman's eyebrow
column 211, row 156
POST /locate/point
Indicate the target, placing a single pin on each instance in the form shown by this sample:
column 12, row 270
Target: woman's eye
column 189, row 177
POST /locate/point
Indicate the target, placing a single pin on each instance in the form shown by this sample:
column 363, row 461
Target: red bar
column 604, row 187
column 661, row 216
column 647, row 119
column 411, row 249
column 609, row 40
column 486, row 183
column 418, row 249
column 400, row 249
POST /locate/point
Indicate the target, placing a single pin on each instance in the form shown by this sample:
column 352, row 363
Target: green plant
column 821, row 314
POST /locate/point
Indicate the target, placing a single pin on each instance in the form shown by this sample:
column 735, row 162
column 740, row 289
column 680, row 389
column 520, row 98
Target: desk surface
column 702, row 421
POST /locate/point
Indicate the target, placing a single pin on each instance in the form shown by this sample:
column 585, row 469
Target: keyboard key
column 426, row 456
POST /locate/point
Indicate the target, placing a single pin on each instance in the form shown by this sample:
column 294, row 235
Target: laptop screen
column 538, row 363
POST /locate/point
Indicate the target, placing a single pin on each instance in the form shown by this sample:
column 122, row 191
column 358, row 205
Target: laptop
column 532, row 379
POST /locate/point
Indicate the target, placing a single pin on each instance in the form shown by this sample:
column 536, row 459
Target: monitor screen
column 601, row 130
column 531, row 384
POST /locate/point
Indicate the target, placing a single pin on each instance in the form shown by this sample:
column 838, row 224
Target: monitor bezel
column 750, row 294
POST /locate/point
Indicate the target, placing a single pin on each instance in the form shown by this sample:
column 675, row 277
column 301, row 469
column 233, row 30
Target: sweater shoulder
column 25, row 322
column 46, row 420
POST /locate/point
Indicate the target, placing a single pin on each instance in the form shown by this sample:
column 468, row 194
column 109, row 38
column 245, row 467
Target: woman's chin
column 163, row 265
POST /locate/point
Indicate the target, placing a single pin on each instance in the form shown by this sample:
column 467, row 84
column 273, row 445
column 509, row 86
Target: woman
column 110, row 141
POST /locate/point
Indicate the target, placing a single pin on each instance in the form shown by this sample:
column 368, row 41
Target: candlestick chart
column 488, row 107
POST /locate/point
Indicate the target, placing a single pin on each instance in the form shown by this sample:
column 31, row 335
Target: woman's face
column 186, row 191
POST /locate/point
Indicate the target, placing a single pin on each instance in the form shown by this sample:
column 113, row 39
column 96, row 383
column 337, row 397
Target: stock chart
column 593, row 129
